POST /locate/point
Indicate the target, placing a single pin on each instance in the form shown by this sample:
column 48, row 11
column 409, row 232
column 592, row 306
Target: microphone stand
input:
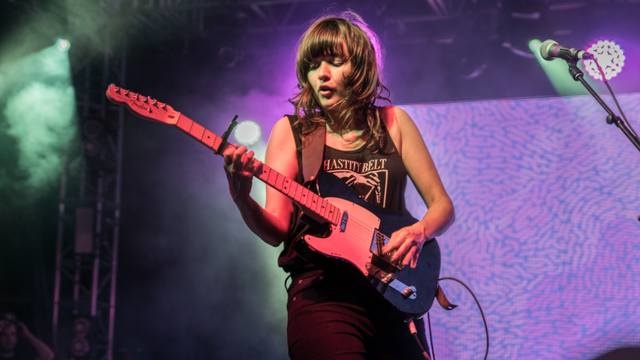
column 612, row 118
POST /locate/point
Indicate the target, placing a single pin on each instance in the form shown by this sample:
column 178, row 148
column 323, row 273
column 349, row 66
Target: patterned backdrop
column 547, row 199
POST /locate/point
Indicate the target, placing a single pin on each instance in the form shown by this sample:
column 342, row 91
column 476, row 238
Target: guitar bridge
column 383, row 280
column 383, row 271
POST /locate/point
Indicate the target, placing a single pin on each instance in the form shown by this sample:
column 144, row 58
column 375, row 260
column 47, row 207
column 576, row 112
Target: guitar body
column 356, row 244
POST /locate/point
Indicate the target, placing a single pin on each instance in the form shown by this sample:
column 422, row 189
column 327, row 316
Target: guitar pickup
column 380, row 259
column 384, row 263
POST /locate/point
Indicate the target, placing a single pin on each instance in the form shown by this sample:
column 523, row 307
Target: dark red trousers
column 340, row 316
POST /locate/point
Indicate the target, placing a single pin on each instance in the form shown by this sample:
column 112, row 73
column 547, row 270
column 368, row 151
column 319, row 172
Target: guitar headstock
column 143, row 106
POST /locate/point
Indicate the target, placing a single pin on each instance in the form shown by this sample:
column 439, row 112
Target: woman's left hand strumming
column 407, row 243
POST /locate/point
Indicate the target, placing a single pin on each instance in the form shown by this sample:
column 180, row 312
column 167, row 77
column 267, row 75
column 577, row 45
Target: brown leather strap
column 442, row 299
column 312, row 153
column 313, row 145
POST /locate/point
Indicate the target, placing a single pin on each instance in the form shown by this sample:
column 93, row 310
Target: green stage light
column 63, row 44
column 38, row 114
column 557, row 72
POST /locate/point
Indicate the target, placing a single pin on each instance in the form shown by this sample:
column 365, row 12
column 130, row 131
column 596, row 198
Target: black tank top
column 378, row 177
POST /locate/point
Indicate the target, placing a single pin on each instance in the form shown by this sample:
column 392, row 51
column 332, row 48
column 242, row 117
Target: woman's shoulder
column 282, row 130
column 397, row 122
column 393, row 114
column 397, row 119
column 285, row 123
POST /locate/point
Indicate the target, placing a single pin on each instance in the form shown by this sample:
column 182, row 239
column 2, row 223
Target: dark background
column 193, row 282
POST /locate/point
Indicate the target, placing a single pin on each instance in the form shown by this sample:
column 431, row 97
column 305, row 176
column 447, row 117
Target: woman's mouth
column 325, row 91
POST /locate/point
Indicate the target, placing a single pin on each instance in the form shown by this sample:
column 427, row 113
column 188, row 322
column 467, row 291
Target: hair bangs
column 326, row 40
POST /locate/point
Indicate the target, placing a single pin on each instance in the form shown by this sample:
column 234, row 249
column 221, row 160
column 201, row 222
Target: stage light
column 557, row 73
column 63, row 44
column 610, row 57
column 43, row 134
column 247, row 132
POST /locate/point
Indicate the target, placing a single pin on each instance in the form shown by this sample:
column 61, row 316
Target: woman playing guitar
column 333, row 311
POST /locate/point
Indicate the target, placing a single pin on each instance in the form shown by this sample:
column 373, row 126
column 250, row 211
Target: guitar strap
column 309, row 153
column 310, row 149
column 443, row 300
column 311, row 146
column 312, row 153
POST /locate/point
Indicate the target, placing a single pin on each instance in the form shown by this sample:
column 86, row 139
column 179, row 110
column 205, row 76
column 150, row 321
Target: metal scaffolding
column 86, row 259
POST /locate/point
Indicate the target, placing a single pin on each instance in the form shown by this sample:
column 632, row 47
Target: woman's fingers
column 239, row 161
column 239, row 166
column 237, row 158
column 408, row 259
column 247, row 163
column 405, row 245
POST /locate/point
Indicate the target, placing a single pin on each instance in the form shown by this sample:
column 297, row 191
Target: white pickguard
column 354, row 243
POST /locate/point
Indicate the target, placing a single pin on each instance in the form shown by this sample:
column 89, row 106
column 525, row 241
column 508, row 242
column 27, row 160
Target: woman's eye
column 333, row 61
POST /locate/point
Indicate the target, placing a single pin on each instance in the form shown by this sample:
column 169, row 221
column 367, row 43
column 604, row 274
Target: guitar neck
column 316, row 206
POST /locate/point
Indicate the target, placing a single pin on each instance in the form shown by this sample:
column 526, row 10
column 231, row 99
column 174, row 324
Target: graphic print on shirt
column 368, row 179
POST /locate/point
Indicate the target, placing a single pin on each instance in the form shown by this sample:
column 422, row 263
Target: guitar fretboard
column 309, row 200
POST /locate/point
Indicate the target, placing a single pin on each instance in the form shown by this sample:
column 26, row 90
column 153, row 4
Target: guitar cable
column 484, row 319
column 414, row 332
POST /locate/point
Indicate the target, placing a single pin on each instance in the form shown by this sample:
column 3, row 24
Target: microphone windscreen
column 545, row 49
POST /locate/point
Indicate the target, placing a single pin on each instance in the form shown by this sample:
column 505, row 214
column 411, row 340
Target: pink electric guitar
column 357, row 230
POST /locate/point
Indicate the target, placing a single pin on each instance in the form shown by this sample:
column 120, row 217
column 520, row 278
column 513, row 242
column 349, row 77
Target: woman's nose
column 324, row 72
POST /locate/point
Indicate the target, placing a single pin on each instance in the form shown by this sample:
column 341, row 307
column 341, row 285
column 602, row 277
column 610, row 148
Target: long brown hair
column 331, row 36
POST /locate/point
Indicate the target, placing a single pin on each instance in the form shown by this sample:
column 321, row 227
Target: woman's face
column 327, row 79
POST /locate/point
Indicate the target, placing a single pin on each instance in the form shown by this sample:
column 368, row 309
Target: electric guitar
column 357, row 231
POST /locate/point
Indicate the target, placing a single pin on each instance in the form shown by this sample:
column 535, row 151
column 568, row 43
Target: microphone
column 550, row 50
